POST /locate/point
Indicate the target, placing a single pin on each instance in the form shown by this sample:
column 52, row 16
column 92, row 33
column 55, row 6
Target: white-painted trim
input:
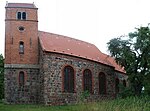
column 27, row 66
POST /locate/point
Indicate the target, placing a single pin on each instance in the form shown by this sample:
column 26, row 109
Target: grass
column 128, row 104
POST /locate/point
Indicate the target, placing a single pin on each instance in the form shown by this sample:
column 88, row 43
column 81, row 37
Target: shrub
column 84, row 95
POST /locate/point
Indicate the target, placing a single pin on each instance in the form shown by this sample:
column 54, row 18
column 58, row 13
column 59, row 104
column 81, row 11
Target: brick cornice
column 23, row 7
column 20, row 20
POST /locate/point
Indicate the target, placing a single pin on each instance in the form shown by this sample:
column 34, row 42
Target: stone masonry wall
column 21, row 95
column 52, row 69
column 41, row 76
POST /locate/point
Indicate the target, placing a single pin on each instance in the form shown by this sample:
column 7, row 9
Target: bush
column 84, row 95
column 1, row 77
column 125, row 91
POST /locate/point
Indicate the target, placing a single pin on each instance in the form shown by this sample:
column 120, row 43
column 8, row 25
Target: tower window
column 24, row 15
column 21, row 47
column 21, row 78
column 68, row 79
column 21, row 15
column 87, row 80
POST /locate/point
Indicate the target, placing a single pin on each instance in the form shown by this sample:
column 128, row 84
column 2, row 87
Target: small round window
column 21, row 28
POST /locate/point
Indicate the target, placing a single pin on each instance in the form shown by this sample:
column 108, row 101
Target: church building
column 52, row 69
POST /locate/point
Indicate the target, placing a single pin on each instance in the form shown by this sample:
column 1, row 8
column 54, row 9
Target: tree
column 1, row 77
column 133, row 53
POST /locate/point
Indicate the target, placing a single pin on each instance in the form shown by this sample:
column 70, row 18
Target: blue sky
column 94, row 21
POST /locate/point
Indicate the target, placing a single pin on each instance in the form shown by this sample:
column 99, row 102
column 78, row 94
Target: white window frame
column 21, row 15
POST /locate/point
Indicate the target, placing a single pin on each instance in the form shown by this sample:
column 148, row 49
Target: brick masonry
column 13, row 36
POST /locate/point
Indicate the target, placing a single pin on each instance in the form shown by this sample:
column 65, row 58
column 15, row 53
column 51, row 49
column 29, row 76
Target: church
column 52, row 69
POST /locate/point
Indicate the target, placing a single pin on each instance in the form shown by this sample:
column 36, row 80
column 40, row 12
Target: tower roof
column 20, row 5
column 65, row 45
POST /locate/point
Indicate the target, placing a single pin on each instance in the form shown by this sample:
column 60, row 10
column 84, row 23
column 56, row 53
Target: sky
column 93, row 21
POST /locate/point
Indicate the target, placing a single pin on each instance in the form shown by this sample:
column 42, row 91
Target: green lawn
column 128, row 104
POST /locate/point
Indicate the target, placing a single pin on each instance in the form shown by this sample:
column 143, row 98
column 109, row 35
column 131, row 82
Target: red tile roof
column 20, row 5
column 114, row 63
column 65, row 45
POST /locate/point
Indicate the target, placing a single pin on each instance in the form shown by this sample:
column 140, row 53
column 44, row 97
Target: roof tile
column 65, row 45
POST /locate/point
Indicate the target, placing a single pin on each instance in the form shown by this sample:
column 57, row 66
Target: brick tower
column 21, row 53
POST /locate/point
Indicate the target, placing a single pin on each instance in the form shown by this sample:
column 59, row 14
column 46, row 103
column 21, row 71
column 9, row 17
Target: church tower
column 21, row 53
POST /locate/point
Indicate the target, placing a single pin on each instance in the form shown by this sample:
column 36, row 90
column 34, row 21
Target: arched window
column 124, row 83
column 19, row 15
column 24, row 15
column 68, row 79
column 117, row 85
column 21, row 78
column 21, row 47
column 87, row 80
column 102, row 83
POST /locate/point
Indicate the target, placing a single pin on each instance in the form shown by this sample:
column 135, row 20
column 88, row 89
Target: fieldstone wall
column 41, row 77
column 43, row 84
column 14, row 94
column 52, row 65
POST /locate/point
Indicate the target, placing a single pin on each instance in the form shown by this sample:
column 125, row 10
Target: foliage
column 1, row 77
column 128, row 104
column 125, row 92
column 133, row 53
column 84, row 95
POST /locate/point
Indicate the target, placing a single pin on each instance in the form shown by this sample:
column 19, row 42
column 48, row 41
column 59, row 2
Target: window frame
column 18, row 16
column 68, row 88
column 24, row 15
column 21, row 28
column 21, row 81
column 21, row 47
column 102, row 89
column 21, row 16
column 88, row 86
column 117, row 82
